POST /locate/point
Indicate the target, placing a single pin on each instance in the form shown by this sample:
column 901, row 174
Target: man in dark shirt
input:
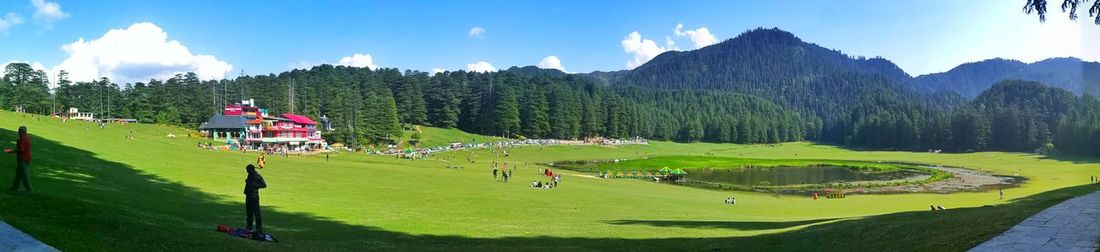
column 252, row 186
column 23, row 160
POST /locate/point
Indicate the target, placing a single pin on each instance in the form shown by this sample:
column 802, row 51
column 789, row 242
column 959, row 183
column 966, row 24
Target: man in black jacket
column 252, row 186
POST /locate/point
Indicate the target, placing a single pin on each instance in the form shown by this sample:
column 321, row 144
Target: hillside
column 96, row 190
column 435, row 137
column 832, row 91
column 970, row 79
column 757, row 59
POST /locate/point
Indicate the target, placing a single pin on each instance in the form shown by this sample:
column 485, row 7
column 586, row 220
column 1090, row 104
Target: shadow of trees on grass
column 82, row 202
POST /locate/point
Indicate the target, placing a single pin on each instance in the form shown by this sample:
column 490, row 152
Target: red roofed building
column 312, row 136
column 290, row 132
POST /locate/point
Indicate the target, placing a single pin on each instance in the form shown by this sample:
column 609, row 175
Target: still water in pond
column 780, row 176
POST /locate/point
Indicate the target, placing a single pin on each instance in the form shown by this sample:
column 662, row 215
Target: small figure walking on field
column 1002, row 192
column 261, row 161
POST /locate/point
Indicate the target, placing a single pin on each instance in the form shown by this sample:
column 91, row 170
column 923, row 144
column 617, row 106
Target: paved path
column 12, row 239
column 1073, row 225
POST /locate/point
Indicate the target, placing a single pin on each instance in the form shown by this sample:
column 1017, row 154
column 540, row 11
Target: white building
column 75, row 113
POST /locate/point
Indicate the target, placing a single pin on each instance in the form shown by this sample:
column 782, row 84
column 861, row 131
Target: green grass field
column 97, row 190
column 434, row 137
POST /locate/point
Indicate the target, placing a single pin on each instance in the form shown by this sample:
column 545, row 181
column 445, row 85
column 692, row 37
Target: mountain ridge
column 757, row 56
column 970, row 79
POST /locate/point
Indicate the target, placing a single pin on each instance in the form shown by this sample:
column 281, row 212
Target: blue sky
column 219, row 39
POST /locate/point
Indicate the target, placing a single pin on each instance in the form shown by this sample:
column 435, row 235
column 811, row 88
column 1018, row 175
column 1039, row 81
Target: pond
column 783, row 176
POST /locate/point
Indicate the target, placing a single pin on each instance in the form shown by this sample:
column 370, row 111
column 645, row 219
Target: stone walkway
column 1073, row 225
column 12, row 239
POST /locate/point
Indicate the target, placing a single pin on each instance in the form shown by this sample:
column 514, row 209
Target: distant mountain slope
column 971, row 79
column 827, row 87
column 536, row 71
column 760, row 58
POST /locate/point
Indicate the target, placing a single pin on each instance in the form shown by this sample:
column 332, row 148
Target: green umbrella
column 665, row 170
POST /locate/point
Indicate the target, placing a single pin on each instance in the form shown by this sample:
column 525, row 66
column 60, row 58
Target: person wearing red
column 23, row 160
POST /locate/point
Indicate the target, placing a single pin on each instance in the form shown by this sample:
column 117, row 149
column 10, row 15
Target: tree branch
column 1038, row 6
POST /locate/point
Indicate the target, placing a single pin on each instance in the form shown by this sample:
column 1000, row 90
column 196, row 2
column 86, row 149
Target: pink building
column 254, row 129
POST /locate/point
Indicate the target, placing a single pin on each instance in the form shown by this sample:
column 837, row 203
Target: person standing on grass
column 261, row 161
column 1002, row 192
column 23, row 160
column 494, row 172
column 252, row 185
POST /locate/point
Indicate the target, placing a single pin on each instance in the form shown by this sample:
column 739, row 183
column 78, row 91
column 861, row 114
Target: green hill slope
column 96, row 190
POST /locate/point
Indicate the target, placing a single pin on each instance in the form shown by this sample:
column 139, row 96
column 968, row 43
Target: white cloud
column 477, row 31
column 137, row 53
column 642, row 49
column 551, row 62
column 481, row 66
column 438, row 70
column 700, row 37
column 47, row 12
column 8, row 21
column 359, row 60
column 670, row 44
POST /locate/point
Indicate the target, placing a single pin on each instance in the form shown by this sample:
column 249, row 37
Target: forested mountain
column 760, row 60
column 832, row 91
column 765, row 86
column 971, row 79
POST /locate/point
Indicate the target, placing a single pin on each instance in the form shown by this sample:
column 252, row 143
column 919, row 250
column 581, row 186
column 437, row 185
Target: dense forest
column 764, row 86
column 374, row 105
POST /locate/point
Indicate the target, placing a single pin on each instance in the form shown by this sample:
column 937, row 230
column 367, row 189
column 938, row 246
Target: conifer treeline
column 372, row 106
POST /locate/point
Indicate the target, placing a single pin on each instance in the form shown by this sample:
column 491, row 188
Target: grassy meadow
column 97, row 190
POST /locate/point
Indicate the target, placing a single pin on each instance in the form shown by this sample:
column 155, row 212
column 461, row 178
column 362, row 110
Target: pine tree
column 534, row 116
column 506, row 113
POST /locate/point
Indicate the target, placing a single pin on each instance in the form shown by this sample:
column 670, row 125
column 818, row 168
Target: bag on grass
column 261, row 236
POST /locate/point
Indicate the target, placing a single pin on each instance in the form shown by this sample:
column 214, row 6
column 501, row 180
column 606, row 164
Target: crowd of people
column 505, row 172
column 555, row 179
column 428, row 151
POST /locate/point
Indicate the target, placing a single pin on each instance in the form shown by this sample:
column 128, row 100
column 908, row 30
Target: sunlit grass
column 97, row 190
